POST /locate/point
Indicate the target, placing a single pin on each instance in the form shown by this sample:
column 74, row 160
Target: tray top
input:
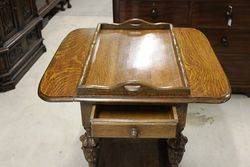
column 134, row 61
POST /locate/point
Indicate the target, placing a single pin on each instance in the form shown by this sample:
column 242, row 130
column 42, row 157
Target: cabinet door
column 8, row 24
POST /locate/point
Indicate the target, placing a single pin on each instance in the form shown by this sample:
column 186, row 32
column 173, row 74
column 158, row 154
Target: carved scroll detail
column 6, row 17
column 176, row 149
column 90, row 148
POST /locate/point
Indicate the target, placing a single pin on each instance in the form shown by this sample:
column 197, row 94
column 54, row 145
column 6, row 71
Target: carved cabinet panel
column 8, row 23
column 21, row 40
column 41, row 4
column 3, row 67
column 28, row 10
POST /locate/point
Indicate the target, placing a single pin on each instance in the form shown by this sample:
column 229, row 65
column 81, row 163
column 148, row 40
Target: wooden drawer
column 222, row 14
column 133, row 121
column 237, row 68
column 154, row 11
column 229, row 41
column 241, row 14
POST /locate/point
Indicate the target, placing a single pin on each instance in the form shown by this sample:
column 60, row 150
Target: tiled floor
column 34, row 133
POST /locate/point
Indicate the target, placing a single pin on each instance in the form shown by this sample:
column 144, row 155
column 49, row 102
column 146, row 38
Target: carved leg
column 176, row 149
column 90, row 149
column 68, row 3
column 176, row 146
column 90, row 145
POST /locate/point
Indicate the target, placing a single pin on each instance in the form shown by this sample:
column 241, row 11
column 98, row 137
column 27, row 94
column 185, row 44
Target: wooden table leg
column 90, row 149
column 90, row 145
column 176, row 146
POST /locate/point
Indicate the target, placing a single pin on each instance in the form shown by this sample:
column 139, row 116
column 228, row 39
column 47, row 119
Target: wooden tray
column 135, row 58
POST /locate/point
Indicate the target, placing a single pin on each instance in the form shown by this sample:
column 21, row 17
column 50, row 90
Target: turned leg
column 176, row 146
column 90, row 145
column 68, row 3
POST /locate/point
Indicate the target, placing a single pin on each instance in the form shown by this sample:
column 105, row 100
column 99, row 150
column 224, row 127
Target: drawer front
column 121, row 123
column 155, row 11
column 229, row 41
column 207, row 14
column 240, row 15
column 237, row 68
column 222, row 14
column 143, row 130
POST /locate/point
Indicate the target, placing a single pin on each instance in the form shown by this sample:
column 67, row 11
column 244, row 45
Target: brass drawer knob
column 134, row 133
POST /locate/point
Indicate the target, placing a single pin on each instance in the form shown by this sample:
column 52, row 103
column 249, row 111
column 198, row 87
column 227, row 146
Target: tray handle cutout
column 132, row 88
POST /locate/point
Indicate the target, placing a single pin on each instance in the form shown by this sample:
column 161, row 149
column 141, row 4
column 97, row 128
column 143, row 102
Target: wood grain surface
column 134, row 58
column 146, row 56
column 134, row 113
column 61, row 77
column 206, row 78
column 133, row 121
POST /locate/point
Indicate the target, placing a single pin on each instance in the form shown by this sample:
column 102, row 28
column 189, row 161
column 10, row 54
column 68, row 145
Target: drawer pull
column 229, row 15
column 224, row 41
column 154, row 14
column 134, row 133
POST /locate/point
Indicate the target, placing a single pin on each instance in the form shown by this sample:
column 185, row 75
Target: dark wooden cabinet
column 21, row 40
column 175, row 12
column 45, row 6
column 8, row 23
column 226, row 23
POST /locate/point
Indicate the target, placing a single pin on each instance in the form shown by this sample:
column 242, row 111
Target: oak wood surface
column 146, row 56
column 133, row 121
column 132, row 113
column 134, row 58
column 206, row 79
